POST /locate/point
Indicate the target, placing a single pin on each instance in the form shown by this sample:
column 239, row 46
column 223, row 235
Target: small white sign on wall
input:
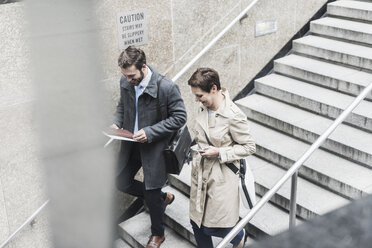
column 266, row 27
column 132, row 28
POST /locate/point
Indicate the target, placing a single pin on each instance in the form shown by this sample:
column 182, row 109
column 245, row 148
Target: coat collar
column 152, row 87
column 202, row 119
column 222, row 110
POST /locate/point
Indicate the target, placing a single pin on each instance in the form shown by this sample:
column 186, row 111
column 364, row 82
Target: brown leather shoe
column 168, row 200
column 155, row 241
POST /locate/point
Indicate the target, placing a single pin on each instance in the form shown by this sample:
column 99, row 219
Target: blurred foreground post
column 70, row 111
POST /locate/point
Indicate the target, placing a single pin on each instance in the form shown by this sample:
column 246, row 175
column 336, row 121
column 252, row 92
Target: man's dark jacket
column 173, row 114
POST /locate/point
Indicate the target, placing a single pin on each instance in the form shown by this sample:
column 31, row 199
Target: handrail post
column 293, row 201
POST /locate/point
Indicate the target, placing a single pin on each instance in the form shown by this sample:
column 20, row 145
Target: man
column 137, row 112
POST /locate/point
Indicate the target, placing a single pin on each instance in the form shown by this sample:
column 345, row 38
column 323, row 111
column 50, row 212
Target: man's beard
column 137, row 81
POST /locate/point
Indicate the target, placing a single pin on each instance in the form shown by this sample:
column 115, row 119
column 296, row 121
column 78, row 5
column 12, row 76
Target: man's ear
column 214, row 89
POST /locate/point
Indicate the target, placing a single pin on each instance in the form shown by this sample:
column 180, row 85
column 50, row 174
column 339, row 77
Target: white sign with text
column 132, row 28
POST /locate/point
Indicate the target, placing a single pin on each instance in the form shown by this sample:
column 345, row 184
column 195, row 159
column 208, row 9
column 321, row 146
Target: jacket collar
column 202, row 119
column 222, row 110
column 152, row 87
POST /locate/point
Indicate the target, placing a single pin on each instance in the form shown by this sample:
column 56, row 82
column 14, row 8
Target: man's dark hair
column 205, row 78
column 132, row 56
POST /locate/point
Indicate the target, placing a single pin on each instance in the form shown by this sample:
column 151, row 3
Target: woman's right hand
column 210, row 152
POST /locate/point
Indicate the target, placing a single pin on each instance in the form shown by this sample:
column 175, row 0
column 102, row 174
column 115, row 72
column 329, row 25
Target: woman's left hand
column 210, row 152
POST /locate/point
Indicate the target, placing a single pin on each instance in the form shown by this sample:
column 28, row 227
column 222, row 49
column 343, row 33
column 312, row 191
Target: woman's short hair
column 205, row 78
column 132, row 56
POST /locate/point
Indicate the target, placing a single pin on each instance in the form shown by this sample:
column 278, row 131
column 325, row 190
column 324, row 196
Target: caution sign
column 132, row 28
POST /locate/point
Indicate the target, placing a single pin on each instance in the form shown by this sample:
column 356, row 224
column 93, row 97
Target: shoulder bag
column 178, row 148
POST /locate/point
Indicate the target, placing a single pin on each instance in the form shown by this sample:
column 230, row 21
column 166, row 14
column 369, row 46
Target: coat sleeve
column 176, row 116
column 243, row 145
column 118, row 116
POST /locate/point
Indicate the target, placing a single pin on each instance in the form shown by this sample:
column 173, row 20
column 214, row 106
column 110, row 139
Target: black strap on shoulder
column 158, row 112
column 240, row 172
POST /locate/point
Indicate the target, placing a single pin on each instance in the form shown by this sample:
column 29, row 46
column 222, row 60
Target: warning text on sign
column 132, row 28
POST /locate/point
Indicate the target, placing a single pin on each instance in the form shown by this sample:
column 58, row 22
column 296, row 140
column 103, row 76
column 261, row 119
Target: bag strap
column 158, row 112
column 240, row 172
column 243, row 167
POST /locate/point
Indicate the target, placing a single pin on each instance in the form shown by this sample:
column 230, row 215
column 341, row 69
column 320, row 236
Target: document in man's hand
column 118, row 134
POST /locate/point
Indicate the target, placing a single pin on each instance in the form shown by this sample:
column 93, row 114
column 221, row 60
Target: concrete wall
column 178, row 30
column 21, row 176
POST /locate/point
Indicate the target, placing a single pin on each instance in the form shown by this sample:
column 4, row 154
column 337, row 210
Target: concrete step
column 343, row 29
column 182, row 181
column 177, row 217
column 312, row 200
column 323, row 168
column 340, row 78
column 177, row 214
column 316, row 99
column 270, row 220
column 346, row 141
column 136, row 232
column 119, row 243
column 361, row 10
column 335, row 51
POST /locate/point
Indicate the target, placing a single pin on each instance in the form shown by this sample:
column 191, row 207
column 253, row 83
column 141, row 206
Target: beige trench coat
column 214, row 195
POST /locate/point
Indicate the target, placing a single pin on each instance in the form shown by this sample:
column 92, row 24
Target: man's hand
column 210, row 152
column 140, row 136
column 114, row 126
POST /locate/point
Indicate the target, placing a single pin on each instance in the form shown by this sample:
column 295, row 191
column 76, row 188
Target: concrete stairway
column 295, row 104
column 271, row 220
column 291, row 108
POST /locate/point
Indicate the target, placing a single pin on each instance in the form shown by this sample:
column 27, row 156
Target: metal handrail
column 241, row 224
column 28, row 221
column 210, row 44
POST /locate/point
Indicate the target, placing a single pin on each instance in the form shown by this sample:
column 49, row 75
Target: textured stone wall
column 179, row 29
column 21, row 176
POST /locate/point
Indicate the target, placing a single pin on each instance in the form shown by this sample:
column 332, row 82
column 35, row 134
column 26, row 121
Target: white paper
column 118, row 137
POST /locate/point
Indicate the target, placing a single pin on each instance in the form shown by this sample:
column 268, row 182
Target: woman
column 222, row 136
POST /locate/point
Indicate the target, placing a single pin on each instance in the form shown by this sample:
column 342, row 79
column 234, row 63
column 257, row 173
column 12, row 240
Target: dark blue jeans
column 203, row 235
